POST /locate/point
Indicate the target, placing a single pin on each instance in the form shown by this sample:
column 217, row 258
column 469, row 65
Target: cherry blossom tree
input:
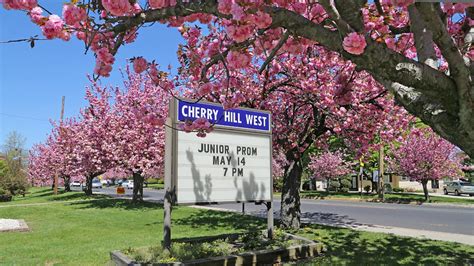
column 422, row 156
column 94, row 137
column 328, row 165
column 139, row 114
column 421, row 52
column 307, row 107
column 55, row 157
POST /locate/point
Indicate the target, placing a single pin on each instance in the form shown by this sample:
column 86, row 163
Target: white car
column 75, row 184
column 96, row 184
column 130, row 184
column 458, row 188
column 105, row 182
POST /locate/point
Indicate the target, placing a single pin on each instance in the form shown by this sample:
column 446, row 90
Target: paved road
column 447, row 219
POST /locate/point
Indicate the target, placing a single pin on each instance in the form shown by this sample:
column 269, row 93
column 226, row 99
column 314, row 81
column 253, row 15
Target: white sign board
column 223, row 167
column 230, row 164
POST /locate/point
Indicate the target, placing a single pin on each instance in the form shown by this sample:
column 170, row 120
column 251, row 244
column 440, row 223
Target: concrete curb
column 460, row 205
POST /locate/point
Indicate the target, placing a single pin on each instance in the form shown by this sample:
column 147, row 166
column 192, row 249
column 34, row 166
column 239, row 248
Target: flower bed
column 238, row 249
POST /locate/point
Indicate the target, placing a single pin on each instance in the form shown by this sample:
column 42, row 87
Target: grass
column 83, row 232
column 350, row 247
column 156, row 186
column 45, row 194
column 389, row 198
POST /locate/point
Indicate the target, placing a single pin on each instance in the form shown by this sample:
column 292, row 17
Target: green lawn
column 350, row 247
column 390, row 198
column 83, row 232
column 45, row 195
column 156, row 186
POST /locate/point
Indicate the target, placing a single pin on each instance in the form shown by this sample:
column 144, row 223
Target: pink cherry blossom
column 237, row 59
column 53, row 27
column 117, row 7
column 139, row 64
column 402, row 3
column 20, row 4
column 73, row 14
column 354, row 43
column 36, row 15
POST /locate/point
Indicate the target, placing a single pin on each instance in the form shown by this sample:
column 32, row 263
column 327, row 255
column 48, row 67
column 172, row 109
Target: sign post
column 233, row 163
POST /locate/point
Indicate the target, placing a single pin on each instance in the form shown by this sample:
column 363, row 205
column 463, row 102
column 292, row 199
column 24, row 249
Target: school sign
column 231, row 164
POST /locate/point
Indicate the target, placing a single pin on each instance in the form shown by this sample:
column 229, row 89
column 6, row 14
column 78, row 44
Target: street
column 438, row 218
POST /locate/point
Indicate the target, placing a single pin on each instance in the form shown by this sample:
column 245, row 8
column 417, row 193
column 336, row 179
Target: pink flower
column 20, row 4
column 225, row 6
column 154, row 4
column 53, row 27
column 139, row 64
column 240, row 33
column 105, row 56
column 262, row 20
column 205, row 89
column 117, row 7
column 402, row 3
column 73, row 14
column 354, row 43
column 237, row 12
column 238, row 60
column 35, row 15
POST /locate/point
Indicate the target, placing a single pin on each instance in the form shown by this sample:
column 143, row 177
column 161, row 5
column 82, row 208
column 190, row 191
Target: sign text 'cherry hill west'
column 216, row 114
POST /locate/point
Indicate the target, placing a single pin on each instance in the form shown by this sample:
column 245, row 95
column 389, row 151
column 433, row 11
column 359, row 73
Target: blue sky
column 32, row 81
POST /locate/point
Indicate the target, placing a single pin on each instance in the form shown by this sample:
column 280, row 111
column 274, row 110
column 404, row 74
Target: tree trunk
column 137, row 187
column 327, row 185
column 88, row 189
column 67, row 186
column 424, row 182
column 290, row 196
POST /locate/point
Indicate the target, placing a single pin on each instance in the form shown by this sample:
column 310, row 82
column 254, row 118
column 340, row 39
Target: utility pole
column 361, row 174
column 56, row 177
column 381, row 170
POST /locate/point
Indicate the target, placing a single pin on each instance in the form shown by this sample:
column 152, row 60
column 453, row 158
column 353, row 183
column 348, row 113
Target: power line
column 25, row 117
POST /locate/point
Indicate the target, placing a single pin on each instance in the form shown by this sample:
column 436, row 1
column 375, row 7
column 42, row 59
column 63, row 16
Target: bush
column 388, row 188
column 277, row 184
column 398, row 189
column 345, row 184
column 5, row 195
column 367, row 189
column 334, row 185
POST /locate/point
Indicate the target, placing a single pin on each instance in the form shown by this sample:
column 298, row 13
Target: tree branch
column 282, row 41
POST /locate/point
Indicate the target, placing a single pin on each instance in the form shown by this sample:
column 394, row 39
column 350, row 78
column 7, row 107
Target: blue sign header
column 241, row 118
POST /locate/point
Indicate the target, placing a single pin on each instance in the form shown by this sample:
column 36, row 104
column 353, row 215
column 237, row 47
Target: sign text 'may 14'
column 240, row 118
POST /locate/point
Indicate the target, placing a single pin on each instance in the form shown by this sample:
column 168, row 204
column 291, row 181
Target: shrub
column 367, row 189
column 277, row 184
column 345, row 184
column 398, row 189
column 388, row 188
column 5, row 195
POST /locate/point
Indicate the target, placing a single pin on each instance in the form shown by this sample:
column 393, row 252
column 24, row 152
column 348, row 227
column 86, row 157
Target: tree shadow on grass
column 107, row 202
column 350, row 247
column 216, row 219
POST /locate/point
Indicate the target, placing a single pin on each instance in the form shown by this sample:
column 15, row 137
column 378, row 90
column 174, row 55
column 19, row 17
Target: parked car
column 76, row 184
column 458, row 188
column 96, row 183
column 130, row 184
column 105, row 182
column 124, row 183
